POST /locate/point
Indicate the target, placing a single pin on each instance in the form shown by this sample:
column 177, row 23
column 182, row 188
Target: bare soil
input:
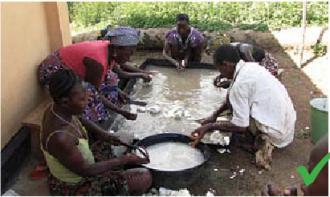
column 285, row 161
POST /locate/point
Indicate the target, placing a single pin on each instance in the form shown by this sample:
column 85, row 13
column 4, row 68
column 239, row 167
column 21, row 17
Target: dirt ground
column 216, row 174
column 251, row 182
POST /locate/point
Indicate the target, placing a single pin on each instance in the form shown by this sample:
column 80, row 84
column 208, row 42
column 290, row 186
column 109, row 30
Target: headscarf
column 124, row 36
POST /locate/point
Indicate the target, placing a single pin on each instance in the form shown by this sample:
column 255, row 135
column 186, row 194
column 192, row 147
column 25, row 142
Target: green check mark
column 309, row 178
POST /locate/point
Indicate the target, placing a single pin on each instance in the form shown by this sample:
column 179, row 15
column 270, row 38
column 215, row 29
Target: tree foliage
column 206, row 16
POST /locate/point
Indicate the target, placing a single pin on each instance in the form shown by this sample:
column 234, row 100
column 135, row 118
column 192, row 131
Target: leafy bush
column 206, row 16
column 319, row 49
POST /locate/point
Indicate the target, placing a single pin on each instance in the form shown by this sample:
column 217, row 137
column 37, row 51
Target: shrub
column 206, row 16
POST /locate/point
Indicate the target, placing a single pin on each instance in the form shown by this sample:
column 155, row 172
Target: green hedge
column 206, row 16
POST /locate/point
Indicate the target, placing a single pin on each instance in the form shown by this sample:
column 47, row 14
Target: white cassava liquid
column 173, row 156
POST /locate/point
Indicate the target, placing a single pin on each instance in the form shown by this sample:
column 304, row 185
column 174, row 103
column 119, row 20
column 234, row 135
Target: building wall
column 29, row 32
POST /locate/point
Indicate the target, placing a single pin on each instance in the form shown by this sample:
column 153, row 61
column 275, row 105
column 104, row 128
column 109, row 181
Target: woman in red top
column 93, row 61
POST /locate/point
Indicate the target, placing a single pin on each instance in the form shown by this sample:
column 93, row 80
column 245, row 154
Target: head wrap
column 123, row 36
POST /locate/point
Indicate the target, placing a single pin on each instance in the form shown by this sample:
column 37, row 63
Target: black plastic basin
column 174, row 179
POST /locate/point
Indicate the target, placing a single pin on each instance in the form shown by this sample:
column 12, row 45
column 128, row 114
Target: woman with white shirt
column 259, row 103
column 252, row 53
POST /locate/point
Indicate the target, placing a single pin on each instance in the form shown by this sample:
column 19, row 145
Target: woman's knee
column 139, row 180
column 147, row 177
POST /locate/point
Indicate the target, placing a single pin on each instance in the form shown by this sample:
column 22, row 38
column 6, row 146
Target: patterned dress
column 194, row 39
column 246, row 52
column 96, row 110
column 109, row 88
column 110, row 183
column 270, row 63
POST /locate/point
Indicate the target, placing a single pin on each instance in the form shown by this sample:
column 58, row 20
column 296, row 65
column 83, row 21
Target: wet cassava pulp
column 175, row 100
column 174, row 156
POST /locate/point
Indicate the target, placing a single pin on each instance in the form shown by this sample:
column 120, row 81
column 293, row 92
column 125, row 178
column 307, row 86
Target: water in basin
column 175, row 100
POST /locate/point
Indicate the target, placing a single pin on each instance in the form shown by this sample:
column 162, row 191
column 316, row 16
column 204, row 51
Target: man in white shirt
column 255, row 98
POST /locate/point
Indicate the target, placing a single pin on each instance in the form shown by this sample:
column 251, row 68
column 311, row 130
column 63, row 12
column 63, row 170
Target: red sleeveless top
column 73, row 55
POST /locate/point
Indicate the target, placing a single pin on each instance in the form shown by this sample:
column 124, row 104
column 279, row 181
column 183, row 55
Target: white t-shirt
column 258, row 94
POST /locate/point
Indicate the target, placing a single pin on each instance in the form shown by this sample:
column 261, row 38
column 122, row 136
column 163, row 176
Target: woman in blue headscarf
column 117, row 37
column 123, row 41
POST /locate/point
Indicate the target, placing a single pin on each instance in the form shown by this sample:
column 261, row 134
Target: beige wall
column 29, row 32
column 57, row 24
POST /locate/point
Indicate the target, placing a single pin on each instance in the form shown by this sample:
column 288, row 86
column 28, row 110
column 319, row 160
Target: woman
column 123, row 42
column 65, row 144
column 251, row 53
column 183, row 43
column 108, row 33
column 258, row 103
column 91, row 57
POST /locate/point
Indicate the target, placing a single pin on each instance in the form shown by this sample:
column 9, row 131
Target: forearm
column 127, row 75
column 226, row 126
column 122, row 93
column 101, row 167
column 132, row 69
column 169, row 58
column 111, row 106
column 94, row 128
column 223, row 108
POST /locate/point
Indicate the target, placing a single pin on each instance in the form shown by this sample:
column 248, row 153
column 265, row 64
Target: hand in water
column 177, row 66
column 208, row 51
column 181, row 68
column 134, row 159
column 221, row 82
column 198, row 134
column 184, row 64
column 152, row 72
column 124, row 98
column 225, row 84
column 146, row 77
column 130, row 116
column 144, row 152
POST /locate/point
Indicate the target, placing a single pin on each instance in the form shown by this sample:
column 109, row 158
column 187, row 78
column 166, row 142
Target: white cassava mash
column 173, row 156
column 173, row 102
